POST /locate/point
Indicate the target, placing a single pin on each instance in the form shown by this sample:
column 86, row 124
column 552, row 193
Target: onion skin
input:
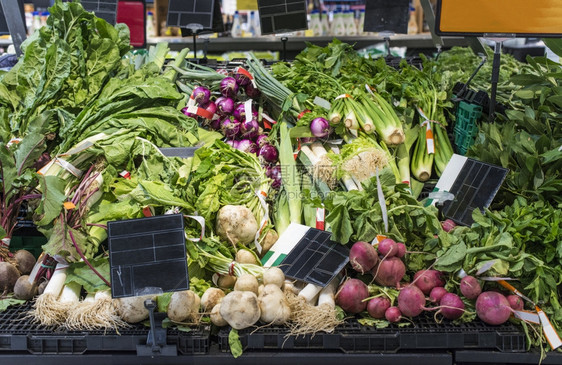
column 320, row 127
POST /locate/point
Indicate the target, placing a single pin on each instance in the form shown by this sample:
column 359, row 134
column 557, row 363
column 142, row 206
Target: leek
column 289, row 175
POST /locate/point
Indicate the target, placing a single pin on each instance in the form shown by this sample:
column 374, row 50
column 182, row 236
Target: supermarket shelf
column 297, row 44
column 467, row 357
column 215, row 357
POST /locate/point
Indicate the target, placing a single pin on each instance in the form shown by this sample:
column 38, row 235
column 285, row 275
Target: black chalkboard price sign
column 282, row 16
column 387, row 16
column 191, row 14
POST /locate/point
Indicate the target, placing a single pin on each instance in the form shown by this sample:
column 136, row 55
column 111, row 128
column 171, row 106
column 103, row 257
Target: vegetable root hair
column 49, row 311
column 324, row 171
column 98, row 314
column 308, row 319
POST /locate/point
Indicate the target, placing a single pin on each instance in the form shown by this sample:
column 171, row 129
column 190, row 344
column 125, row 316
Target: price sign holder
column 105, row 9
column 12, row 21
column 498, row 20
column 195, row 17
column 147, row 256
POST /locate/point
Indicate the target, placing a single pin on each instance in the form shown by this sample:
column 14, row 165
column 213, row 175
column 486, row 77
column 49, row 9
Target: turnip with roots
column 470, row 287
column 377, row 307
column 351, row 295
column 363, row 256
column 493, row 308
column 426, row 280
column 389, row 272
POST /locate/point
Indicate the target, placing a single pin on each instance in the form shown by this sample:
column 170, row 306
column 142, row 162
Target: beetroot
column 451, row 306
column 411, row 301
column 363, row 256
column 351, row 294
column 401, row 249
column 377, row 307
column 389, row 272
column 388, row 247
column 393, row 314
column 437, row 293
column 448, row 225
column 515, row 302
column 427, row 280
column 493, row 308
column 470, row 287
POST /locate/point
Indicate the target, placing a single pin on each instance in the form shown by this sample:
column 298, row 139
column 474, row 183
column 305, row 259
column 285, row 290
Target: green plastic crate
column 30, row 243
column 466, row 126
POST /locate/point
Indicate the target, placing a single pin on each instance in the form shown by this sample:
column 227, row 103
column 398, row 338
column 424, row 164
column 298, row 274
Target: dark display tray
column 352, row 337
column 18, row 333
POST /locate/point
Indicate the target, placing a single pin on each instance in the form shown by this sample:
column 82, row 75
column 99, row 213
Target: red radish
column 401, row 249
column 393, row 314
column 388, row 247
column 451, row 306
column 448, row 225
column 377, row 307
column 470, row 287
column 515, row 302
column 411, row 301
column 427, row 280
column 363, row 256
column 389, row 272
column 437, row 293
column 351, row 294
column 493, row 308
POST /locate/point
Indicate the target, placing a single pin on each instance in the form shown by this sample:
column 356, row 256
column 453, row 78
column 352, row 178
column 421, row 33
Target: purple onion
column 241, row 79
column 261, row 140
column 320, row 127
column 228, row 87
column 307, row 140
column 230, row 127
column 268, row 153
column 201, row 95
column 249, row 129
column 239, row 111
column 191, row 115
column 215, row 124
column 251, row 91
column 225, row 106
column 232, row 143
column 247, row 146
column 274, row 173
column 210, row 107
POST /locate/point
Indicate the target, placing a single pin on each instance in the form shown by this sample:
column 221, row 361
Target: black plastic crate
column 352, row 337
column 19, row 333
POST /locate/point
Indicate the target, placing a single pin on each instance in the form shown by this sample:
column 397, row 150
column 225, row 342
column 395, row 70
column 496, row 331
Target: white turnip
column 393, row 314
column 428, row 279
column 226, row 281
column 273, row 305
column 411, row 301
column 515, row 302
column 470, row 287
column 437, row 293
column 363, row 256
column 388, row 247
column 389, row 272
column 377, row 307
column 132, row 310
column 236, row 224
column 274, row 275
column 184, row 305
column 451, row 306
column 210, row 298
column 351, row 294
column 216, row 317
column 493, row 308
column 247, row 282
column 244, row 256
column 240, row 309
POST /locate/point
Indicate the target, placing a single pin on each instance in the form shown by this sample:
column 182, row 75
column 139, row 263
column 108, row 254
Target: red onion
column 320, row 127
column 251, row 91
column 225, row 106
column 249, row 129
column 215, row 124
column 191, row 115
column 228, row 87
column 230, row 127
column 261, row 140
column 211, row 107
column 247, row 146
column 201, row 95
column 232, row 143
column 268, row 153
column 241, row 79
column 239, row 111
column 307, row 140
column 274, row 173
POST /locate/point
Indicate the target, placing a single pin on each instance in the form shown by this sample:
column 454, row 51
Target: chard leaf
column 81, row 274
column 9, row 302
column 452, row 258
column 52, row 201
column 234, row 343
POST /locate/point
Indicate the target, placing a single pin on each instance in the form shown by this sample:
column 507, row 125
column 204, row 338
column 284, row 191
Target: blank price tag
column 282, row 16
